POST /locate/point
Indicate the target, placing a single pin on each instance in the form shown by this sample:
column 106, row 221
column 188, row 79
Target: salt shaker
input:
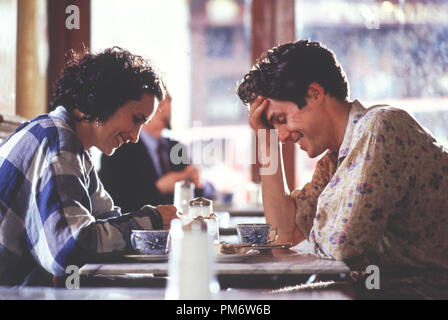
column 172, row 291
column 203, row 207
column 192, row 264
column 183, row 193
column 200, row 207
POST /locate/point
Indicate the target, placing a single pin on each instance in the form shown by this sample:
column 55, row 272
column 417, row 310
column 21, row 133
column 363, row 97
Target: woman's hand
column 192, row 174
column 168, row 213
column 166, row 183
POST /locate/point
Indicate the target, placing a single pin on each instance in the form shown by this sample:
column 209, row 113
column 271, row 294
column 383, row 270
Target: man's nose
column 284, row 135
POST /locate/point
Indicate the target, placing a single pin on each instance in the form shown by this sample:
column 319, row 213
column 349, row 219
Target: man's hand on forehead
column 257, row 117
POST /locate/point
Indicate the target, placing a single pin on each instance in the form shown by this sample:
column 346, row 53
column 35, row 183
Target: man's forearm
column 279, row 210
column 279, row 207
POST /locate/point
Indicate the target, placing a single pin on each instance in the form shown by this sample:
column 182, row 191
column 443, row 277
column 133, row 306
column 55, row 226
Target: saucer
column 147, row 257
column 271, row 246
column 242, row 248
column 235, row 257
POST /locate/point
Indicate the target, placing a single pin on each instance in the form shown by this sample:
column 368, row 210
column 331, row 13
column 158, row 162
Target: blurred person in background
column 54, row 211
column 144, row 173
column 378, row 194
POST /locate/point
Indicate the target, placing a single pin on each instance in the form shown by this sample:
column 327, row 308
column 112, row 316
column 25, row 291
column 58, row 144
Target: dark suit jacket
column 129, row 176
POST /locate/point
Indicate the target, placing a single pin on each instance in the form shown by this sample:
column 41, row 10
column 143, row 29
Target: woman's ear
column 79, row 115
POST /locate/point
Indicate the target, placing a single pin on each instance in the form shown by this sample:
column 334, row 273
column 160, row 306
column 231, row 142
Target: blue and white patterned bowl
column 255, row 233
column 150, row 241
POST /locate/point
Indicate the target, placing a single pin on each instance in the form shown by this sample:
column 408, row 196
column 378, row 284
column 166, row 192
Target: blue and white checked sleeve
column 62, row 228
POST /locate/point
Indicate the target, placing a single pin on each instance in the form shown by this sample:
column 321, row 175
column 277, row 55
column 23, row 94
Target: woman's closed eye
column 139, row 119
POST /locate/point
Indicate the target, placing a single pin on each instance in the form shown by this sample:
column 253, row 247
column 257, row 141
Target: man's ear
column 316, row 92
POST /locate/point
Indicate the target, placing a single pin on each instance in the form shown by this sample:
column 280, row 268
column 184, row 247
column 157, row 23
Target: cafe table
column 279, row 270
column 125, row 293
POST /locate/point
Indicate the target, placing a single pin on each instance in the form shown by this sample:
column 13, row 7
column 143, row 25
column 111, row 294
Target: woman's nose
column 135, row 134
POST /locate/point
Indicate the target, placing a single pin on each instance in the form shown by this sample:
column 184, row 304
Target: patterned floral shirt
column 383, row 199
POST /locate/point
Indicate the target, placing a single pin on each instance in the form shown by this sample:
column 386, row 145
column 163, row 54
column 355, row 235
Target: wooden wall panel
column 62, row 39
column 273, row 24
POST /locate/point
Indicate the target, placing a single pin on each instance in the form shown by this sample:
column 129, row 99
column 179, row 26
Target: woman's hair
column 98, row 84
column 286, row 71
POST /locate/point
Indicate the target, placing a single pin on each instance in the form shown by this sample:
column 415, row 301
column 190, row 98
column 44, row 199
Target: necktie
column 164, row 163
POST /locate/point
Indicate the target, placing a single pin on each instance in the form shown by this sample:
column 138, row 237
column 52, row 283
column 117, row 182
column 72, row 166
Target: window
column 8, row 34
column 202, row 48
column 223, row 106
column 392, row 53
column 220, row 41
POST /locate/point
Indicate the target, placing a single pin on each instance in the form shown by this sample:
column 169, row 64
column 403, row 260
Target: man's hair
column 98, row 84
column 285, row 72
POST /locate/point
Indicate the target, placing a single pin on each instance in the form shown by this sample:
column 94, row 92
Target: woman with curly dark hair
column 54, row 211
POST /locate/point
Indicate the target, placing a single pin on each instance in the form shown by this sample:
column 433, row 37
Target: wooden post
column 32, row 54
column 62, row 39
column 273, row 24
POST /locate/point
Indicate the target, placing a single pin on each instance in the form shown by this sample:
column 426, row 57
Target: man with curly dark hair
column 54, row 211
column 377, row 196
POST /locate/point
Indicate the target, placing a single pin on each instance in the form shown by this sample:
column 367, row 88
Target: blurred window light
column 202, row 48
column 329, row 12
column 220, row 41
column 8, row 39
column 392, row 52
column 222, row 11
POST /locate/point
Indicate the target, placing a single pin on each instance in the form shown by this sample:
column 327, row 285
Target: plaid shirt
column 54, row 211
